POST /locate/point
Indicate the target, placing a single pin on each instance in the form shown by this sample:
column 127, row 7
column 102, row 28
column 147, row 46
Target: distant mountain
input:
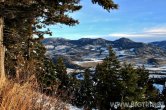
column 71, row 46
column 161, row 44
column 87, row 49
column 126, row 43
column 87, row 41
column 53, row 41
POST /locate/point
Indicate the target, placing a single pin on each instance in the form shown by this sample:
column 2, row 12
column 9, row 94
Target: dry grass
column 23, row 93
column 14, row 96
column 89, row 64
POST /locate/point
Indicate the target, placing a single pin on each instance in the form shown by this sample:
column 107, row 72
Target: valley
column 87, row 53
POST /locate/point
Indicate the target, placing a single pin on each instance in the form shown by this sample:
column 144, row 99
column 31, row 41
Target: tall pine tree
column 107, row 74
column 38, row 14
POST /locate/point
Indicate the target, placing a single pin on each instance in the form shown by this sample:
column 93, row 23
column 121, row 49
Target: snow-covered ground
column 61, row 47
column 83, row 62
column 157, row 76
column 159, row 87
column 49, row 47
column 156, row 69
column 74, row 108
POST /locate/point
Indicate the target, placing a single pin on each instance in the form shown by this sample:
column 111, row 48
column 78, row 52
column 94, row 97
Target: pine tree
column 19, row 27
column 129, row 84
column 151, row 92
column 120, row 83
column 38, row 14
column 86, row 91
column 61, row 72
column 47, row 78
column 107, row 74
column 135, row 86
column 143, row 76
column 142, row 83
column 63, row 78
column 107, row 4
column 164, row 97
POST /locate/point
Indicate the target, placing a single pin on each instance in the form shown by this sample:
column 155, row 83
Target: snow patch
column 71, row 107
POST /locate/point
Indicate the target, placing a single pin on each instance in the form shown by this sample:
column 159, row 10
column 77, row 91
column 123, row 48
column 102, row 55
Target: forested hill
column 84, row 45
column 161, row 44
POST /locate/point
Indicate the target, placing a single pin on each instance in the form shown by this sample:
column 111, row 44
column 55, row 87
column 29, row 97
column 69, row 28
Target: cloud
column 151, row 32
column 128, row 35
column 157, row 31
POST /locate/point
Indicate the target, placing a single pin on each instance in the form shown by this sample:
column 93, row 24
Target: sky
column 139, row 20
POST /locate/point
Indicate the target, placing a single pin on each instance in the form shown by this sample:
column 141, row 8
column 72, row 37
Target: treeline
column 112, row 82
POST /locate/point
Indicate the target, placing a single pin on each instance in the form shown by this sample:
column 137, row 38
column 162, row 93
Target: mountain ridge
column 87, row 43
column 161, row 44
column 87, row 49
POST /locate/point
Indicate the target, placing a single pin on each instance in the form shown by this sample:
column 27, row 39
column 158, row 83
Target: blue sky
column 139, row 20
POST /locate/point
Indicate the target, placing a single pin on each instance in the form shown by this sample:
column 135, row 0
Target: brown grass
column 14, row 96
column 89, row 64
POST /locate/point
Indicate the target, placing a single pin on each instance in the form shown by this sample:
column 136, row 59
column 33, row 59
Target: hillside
column 161, row 44
column 87, row 49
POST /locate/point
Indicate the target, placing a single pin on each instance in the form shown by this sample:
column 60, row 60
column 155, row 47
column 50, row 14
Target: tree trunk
column 2, row 50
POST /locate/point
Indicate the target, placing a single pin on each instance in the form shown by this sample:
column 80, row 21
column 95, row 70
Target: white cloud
column 157, row 31
column 128, row 35
column 152, row 32
column 147, row 35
